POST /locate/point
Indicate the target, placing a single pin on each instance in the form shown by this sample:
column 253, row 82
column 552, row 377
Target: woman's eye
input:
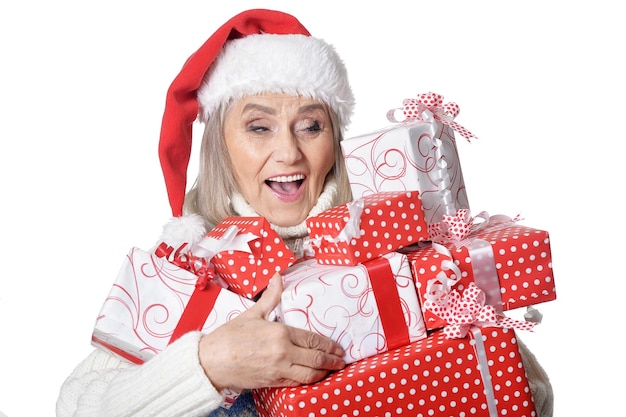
column 257, row 128
column 314, row 127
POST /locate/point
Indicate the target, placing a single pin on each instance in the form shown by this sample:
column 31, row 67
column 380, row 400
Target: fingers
column 233, row 357
column 310, row 340
column 299, row 375
column 307, row 366
column 313, row 354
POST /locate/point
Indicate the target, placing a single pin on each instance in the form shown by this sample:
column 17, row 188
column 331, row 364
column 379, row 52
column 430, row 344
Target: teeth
column 287, row 178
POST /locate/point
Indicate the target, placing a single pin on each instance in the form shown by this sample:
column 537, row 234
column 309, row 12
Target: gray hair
column 210, row 194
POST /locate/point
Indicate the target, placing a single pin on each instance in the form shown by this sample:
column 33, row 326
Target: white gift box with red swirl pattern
column 368, row 308
column 415, row 155
column 152, row 301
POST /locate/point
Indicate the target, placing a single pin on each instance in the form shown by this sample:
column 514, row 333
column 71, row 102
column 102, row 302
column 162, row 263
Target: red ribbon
column 197, row 311
column 204, row 295
column 389, row 303
column 198, row 266
column 118, row 351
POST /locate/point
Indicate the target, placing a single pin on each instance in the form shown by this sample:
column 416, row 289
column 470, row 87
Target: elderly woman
column 275, row 102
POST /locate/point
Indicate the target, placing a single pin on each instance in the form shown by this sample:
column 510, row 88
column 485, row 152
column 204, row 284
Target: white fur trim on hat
column 188, row 229
column 292, row 64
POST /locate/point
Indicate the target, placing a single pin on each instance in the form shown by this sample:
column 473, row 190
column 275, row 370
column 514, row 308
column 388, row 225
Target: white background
column 82, row 92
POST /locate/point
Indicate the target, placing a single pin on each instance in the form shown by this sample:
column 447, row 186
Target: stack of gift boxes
column 410, row 283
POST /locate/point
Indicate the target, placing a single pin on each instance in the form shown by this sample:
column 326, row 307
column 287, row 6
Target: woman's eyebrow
column 309, row 107
column 260, row 107
column 270, row 110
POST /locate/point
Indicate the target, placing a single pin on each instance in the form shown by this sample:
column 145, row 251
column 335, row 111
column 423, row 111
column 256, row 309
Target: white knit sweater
column 171, row 384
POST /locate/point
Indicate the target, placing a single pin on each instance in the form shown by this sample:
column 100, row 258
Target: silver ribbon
column 483, row 366
column 485, row 272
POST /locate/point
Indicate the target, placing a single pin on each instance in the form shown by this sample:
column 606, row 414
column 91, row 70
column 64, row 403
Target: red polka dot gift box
column 481, row 374
column 368, row 308
column 511, row 264
column 367, row 227
column 419, row 153
column 248, row 268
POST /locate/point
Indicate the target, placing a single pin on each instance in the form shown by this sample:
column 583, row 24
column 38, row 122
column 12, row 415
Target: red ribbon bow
column 198, row 266
column 444, row 112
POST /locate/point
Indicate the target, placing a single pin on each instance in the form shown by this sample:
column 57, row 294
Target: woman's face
column 281, row 148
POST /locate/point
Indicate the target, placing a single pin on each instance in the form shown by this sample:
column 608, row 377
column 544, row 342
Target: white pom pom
column 185, row 229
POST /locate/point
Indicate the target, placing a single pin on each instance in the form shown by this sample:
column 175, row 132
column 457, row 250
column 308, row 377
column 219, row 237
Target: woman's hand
column 252, row 352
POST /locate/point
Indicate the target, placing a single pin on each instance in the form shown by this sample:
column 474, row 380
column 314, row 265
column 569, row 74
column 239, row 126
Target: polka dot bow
column 413, row 108
column 455, row 228
column 462, row 225
column 467, row 309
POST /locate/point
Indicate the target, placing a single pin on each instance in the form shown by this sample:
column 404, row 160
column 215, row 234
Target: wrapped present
column 511, row 263
column 247, row 270
column 481, row 374
column 368, row 227
column 368, row 308
column 418, row 154
column 153, row 301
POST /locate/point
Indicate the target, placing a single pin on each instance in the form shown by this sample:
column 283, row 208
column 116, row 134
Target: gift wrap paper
column 150, row 296
column 513, row 265
column 416, row 155
column 247, row 273
column 367, row 228
column 367, row 309
column 479, row 375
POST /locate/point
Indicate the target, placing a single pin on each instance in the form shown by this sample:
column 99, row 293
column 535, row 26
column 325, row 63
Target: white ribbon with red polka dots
column 413, row 109
column 463, row 310
column 467, row 309
column 459, row 227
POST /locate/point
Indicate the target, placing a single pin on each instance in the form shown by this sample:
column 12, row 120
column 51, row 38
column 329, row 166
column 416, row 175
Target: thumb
column 270, row 297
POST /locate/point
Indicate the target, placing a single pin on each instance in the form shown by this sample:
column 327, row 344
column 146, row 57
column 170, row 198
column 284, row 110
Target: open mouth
column 287, row 185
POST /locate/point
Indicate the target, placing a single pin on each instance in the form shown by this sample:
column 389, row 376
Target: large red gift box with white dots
column 368, row 308
column 248, row 272
column 367, row 227
column 515, row 260
column 416, row 155
column 479, row 375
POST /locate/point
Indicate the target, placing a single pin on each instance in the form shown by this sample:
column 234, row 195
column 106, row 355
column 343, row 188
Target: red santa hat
column 256, row 51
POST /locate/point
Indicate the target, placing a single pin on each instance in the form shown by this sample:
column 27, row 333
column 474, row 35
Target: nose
column 287, row 148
